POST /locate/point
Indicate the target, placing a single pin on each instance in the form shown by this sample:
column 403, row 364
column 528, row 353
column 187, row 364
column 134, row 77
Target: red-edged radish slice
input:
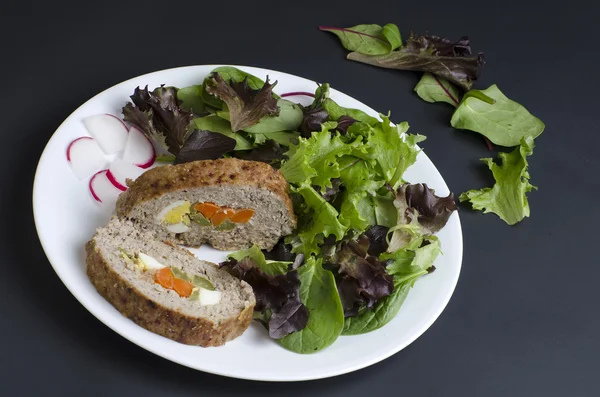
column 108, row 130
column 121, row 170
column 102, row 189
column 85, row 157
column 138, row 149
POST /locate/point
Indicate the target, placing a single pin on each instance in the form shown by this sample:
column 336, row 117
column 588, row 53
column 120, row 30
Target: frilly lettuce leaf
column 246, row 105
column 314, row 160
column 420, row 213
column 318, row 219
column 508, row 197
column 159, row 115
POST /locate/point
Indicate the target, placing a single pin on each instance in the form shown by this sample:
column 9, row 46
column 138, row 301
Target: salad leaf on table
column 439, row 56
column 504, row 122
column 368, row 39
column 434, row 89
column 508, row 197
column 319, row 294
column 246, row 105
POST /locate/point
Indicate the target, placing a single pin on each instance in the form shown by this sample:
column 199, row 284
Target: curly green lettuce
column 508, row 197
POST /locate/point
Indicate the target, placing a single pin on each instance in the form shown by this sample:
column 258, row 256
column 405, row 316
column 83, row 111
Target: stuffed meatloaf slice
column 228, row 203
column 165, row 289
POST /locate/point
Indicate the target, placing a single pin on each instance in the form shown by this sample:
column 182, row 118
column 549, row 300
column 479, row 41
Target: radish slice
column 120, row 170
column 138, row 149
column 85, row 157
column 102, row 189
column 108, row 130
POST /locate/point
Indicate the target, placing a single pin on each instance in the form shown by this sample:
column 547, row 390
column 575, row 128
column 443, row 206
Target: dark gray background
column 524, row 320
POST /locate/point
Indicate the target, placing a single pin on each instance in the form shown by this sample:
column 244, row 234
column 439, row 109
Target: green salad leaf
column 336, row 111
column 289, row 119
column 504, row 122
column 214, row 123
column 368, row 39
column 191, row 99
column 315, row 159
column 393, row 151
column 508, row 197
column 270, row 268
column 318, row 219
column 435, row 89
column 319, row 294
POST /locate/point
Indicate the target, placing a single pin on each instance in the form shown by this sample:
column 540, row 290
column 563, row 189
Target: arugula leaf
column 435, row 89
column 246, row 105
column 504, row 122
column 214, row 123
column 442, row 57
column 326, row 317
column 159, row 115
column 191, row 99
column 368, row 39
column 204, row 145
column 508, row 197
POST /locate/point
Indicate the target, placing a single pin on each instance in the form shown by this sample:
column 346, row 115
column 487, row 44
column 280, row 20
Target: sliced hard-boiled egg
column 207, row 297
column 146, row 262
column 178, row 228
column 175, row 216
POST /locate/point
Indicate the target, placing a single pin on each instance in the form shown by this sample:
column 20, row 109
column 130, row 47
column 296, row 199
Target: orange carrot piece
column 242, row 216
column 164, row 277
column 207, row 209
column 221, row 216
column 182, row 287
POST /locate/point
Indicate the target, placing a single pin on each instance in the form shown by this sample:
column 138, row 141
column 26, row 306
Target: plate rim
column 459, row 245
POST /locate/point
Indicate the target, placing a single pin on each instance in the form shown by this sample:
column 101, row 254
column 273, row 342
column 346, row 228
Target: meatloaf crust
column 155, row 317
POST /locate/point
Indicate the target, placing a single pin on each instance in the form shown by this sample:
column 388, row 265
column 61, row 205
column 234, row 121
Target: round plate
column 66, row 217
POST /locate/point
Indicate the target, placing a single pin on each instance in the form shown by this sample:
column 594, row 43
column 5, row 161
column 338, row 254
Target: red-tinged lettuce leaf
column 362, row 278
column 420, row 213
column 159, row 115
column 246, row 105
column 447, row 59
column 277, row 293
column 377, row 236
column 204, row 145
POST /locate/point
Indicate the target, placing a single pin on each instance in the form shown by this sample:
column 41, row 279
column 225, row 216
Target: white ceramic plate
column 66, row 217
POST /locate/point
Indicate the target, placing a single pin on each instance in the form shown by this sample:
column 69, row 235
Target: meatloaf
column 228, row 203
column 198, row 304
